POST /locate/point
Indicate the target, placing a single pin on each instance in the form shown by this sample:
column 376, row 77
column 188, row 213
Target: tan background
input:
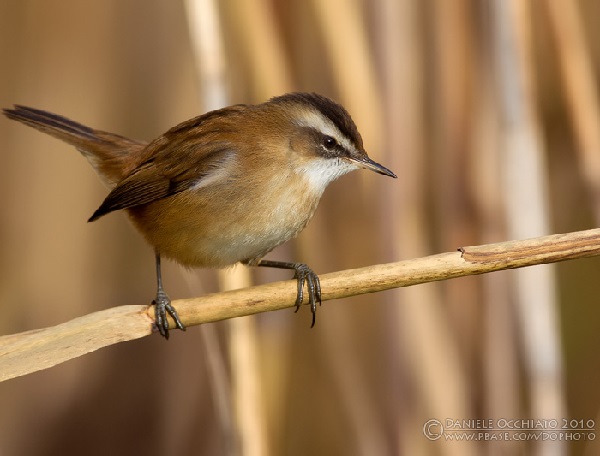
column 424, row 82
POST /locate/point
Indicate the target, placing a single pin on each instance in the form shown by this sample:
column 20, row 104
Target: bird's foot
column 162, row 307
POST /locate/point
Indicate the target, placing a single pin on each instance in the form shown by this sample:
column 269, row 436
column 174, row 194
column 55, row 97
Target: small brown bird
column 225, row 187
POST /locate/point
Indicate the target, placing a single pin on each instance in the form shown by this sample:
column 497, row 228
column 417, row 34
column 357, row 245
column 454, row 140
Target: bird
column 224, row 187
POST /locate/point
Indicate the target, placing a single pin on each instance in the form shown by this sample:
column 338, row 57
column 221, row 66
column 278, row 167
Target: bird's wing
column 184, row 157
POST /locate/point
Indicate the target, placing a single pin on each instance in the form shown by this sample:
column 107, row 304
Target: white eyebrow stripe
column 311, row 119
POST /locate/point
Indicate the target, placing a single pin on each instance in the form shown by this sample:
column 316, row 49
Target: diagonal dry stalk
column 35, row 350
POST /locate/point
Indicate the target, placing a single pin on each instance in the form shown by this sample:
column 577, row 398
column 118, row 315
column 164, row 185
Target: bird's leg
column 162, row 306
column 303, row 274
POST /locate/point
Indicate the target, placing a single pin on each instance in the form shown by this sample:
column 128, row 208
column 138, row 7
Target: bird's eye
column 329, row 142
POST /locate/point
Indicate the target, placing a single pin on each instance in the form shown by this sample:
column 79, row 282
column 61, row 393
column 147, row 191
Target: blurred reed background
column 486, row 109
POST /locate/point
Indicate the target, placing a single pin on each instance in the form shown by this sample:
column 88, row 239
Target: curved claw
column 303, row 274
column 306, row 275
column 162, row 307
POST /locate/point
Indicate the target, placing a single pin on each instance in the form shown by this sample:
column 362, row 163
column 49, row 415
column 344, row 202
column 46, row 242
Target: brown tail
column 112, row 156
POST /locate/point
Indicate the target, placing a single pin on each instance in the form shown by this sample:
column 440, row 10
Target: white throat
column 320, row 172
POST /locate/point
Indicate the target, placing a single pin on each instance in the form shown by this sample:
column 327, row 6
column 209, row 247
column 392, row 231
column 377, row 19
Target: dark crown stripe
column 333, row 111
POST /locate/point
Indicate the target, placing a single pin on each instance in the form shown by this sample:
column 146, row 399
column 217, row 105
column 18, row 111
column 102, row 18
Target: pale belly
column 198, row 231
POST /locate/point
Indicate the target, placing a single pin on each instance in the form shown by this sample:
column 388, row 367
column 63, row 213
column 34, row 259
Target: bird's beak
column 367, row 163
